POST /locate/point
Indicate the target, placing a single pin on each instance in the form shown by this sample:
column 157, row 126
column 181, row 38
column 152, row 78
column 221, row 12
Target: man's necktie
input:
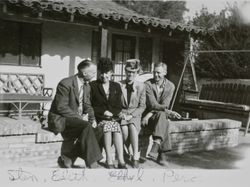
column 80, row 108
column 130, row 89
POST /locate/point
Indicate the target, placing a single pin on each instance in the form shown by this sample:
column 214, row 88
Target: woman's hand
column 128, row 117
column 122, row 115
column 108, row 114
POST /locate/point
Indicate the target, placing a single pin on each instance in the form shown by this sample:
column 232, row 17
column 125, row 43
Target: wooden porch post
column 156, row 52
column 104, row 42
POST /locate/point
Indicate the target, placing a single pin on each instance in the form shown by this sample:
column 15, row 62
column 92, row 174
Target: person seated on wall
column 133, row 105
column 106, row 102
column 71, row 115
column 159, row 92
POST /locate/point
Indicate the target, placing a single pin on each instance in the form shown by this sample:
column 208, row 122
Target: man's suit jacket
column 137, row 102
column 66, row 103
column 155, row 103
column 101, row 103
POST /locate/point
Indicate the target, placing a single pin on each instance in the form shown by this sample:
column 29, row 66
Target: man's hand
column 146, row 118
column 108, row 114
column 85, row 117
column 173, row 114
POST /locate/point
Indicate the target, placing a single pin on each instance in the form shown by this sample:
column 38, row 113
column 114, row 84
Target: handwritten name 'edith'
column 67, row 175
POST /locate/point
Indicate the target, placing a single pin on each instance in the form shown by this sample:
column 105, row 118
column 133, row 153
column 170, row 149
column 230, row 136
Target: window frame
column 123, row 37
column 114, row 50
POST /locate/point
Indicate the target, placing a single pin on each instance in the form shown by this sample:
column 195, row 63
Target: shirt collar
column 130, row 86
column 80, row 82
column 163, row 84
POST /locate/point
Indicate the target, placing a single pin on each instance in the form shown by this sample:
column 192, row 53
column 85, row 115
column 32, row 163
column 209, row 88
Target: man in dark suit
column 159, row 92
column 71, row 115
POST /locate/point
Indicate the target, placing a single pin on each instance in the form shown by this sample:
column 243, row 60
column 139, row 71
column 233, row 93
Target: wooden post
column 104, row 42
column 4, row 8
column 156, row 52
column 72, row 18
column 137, row 47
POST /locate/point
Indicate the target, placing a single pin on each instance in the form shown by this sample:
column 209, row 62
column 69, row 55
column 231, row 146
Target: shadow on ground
column 226, row 158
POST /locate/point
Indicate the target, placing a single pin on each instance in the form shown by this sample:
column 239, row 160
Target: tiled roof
column 108, row 10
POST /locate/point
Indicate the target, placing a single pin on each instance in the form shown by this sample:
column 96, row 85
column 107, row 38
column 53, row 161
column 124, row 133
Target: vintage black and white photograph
column 122, row 88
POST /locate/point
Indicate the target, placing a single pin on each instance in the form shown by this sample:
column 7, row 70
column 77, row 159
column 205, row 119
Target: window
column 123, row 48
column 20, row 43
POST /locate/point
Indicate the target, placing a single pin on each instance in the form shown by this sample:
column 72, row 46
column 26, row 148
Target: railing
column 21, row 83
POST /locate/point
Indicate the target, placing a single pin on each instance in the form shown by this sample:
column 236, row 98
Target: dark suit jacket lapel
column 111, row 90
column 100, row 87
column 76, row 88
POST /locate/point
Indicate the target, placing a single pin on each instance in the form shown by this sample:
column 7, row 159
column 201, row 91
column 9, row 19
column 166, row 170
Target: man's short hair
column 161, row 64
column 84, row 64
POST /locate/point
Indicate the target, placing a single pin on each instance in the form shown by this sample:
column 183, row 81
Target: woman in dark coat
column 106, row 102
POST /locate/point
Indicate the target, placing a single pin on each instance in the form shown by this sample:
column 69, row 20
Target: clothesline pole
column 179, row 83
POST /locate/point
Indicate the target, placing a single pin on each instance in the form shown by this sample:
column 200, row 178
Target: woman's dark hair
column 105, row 65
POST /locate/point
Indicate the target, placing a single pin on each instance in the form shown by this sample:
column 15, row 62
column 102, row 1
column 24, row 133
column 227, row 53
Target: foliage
column 232, row 34
column 172, row 10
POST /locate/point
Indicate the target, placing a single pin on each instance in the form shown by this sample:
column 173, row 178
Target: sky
column 196, row 5
column 216, row 6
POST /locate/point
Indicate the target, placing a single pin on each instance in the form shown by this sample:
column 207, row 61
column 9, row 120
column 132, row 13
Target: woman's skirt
column 110, row 126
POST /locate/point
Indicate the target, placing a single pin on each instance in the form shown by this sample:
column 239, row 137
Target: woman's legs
column 119, row 146
column 134, row 141
column 126, row 139
column 107, row 146
column 125, row 133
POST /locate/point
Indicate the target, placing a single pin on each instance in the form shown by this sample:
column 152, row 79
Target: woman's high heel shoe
column 122, row 166
column 110, row 166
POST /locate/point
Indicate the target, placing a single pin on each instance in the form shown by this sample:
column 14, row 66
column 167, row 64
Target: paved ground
column 227, row 158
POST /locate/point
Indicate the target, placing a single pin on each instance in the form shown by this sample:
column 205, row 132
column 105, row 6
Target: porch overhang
column 102, row 11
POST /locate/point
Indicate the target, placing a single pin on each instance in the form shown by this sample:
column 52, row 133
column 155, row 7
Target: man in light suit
column 133, row 105
column 71, row 115
column 159, row 92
